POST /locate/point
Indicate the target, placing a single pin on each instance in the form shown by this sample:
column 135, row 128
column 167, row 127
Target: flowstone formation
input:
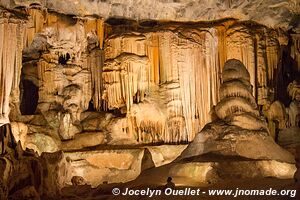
column 60, row 60
column 181, row 74
column 11, row 45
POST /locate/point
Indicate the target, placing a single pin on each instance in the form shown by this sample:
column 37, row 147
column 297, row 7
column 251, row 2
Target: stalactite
column 125, row 79
column 127, row 43
column 176, row 67
column 272, row 53
column 51, row 19
column 34, row 25
column 11, row 32
column 167, row 71
column 240, row 45
column 95, row 26
column 90, row 25
column 185, row 69
column 147, row 128
column 100, row 32
column 153, row 55
column 170, row 60
column 222, row 53
column 262, row 70
column 200, row 62
column 95, row 64
column 267, row 60
column 18, row 66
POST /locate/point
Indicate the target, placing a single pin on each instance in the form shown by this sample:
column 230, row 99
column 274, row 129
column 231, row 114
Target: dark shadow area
column 287, row 73
column 120, row 21
column 29, row 97
column 91, row 106
column 63, row 59
column 149, row 23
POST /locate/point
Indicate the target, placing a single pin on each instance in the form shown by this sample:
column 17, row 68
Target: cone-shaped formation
column 240, row 129
column 237, row 105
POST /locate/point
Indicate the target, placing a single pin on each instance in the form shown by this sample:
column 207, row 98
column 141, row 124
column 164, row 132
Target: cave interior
column 97, row 94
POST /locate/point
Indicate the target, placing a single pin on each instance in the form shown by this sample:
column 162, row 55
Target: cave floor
column 104, row 192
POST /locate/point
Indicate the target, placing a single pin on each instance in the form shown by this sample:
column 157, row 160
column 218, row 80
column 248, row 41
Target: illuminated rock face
column 11, row 45
column 162, row 85
column 237, row 144
column 102, row 91
column 61, row 60
column 288, row 136
column 25, row 175
column 183, row 80
column 63, row 73
column 294, row 108
column 237, row 105
column 240, row 130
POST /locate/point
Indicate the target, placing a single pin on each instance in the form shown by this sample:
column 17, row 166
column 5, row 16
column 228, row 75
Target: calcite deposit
column 94, row 93
column 235, row 145
column 238, row 121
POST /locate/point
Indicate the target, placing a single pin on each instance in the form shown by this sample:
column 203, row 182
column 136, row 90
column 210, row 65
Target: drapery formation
column 185, row 70
column 11, row 44
column 58, row 37
column 175, row 68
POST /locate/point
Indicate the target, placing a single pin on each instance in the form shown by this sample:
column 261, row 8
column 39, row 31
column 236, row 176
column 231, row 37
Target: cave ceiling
column 272, row 13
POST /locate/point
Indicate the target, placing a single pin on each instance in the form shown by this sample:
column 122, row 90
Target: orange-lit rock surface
column 105, row 92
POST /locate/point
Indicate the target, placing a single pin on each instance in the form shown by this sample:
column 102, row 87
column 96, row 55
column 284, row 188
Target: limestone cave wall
column 130, row 82
column 185, row 66
column 118, row 95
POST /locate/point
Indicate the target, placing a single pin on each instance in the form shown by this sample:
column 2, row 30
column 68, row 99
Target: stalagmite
column 235, row 109
column 294, row 108
column 248, row 121
column 34, row 25
column 237, row 134
column 234, row 104
column 237, row 88
column 277, row 117
column 95, row 62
